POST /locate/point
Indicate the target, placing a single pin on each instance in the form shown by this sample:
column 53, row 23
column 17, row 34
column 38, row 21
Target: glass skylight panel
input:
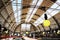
column 49, row 12
column 58, row 1
column 54, row 12
column 58, row 8
column 19, row 13
column 39, row 20
column 19, row 1
column 28, row 27
column 14, row 7
column 52, row 7
column 15, row 15
column 48, row 15
column 18, row 17
column 25, row 27
column 30, row 15
column 17, row 7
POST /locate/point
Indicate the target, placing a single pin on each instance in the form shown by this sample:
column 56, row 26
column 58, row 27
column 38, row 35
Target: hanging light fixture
column 6, row 31
column 58, row 32
column 54, row 31
column 43, row 33
column 27, row 32
column 18, row 34
column 46, row 22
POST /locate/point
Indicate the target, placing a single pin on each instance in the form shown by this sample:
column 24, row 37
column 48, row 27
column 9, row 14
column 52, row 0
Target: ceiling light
column 48, row 32
column 18, row 34
column 6, row 31
column 2, row 28
column 27, row 32
column 30, row 34
column 43, row 33
column 58, row 32
column 24, row 34
column 54, row 31
column 11, row 33
column 15, row 34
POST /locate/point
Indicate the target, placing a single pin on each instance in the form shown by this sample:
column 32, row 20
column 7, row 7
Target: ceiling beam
column 56, row 22
column 6, row 10
column 6, row 21
column 8, row 15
